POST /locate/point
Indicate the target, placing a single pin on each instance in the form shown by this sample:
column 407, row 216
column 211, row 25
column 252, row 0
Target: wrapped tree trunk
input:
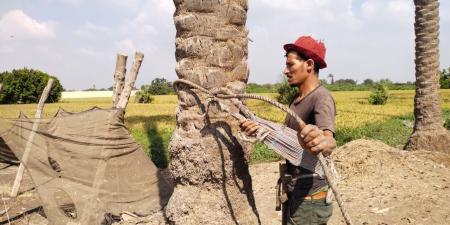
column 429, row 132
column 208, row 162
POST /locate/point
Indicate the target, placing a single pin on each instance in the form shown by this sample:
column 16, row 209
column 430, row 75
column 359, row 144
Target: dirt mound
column 385, row 185
column 368, row 158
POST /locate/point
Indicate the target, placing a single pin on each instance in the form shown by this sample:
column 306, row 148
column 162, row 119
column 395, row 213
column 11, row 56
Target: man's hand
column 316, row 140
column 249, row 127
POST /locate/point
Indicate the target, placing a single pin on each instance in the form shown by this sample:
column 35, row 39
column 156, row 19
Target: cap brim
column 288, row 47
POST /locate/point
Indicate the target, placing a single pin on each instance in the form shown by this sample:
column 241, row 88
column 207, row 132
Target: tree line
column 25, row 86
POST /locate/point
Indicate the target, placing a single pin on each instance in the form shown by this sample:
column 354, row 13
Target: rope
column 323, row 163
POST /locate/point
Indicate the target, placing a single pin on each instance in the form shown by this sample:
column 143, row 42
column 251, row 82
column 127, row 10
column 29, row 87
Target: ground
column 379, row 184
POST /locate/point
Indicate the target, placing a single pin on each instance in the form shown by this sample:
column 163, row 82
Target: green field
column 152, row 124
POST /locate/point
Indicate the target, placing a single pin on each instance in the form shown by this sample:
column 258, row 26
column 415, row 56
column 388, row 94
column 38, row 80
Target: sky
column 78, row 40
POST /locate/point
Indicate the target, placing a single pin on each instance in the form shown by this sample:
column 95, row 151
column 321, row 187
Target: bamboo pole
column 24, row 160
column 119, row 78
column 126, row 92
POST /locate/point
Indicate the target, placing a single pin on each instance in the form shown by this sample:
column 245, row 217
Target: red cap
column 311, row 48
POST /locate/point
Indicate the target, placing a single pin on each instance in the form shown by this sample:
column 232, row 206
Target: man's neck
column 311, row 83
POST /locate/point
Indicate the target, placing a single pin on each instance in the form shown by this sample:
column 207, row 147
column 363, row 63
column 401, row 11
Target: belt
column 318, row 195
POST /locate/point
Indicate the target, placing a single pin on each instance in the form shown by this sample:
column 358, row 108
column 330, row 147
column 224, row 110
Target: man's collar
column 300, row 98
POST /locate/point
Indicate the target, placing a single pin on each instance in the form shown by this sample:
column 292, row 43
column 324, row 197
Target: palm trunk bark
column 429, row 132
column 209, row 163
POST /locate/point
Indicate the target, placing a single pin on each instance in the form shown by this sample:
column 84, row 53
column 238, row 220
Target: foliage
column 159, row 86
column 444, row 80
column 262, row 153
column 368, row 81
column 366, row 87
column 143, row 96
column 385, row 82
column 379, row 95
column 261, row 88
column 323, row 81
column 392, row 131
column 286, row 93
column 345, row 87
column 345, row 81
column 26, row 86
column 446, row 117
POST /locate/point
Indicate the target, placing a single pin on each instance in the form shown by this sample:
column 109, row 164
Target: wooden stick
column 119, row 78
column 40, row 107
column 126, row 92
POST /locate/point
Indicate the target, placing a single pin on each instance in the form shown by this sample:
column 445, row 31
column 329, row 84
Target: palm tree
column 331, row 76
column 429, row 132
column 208, row 163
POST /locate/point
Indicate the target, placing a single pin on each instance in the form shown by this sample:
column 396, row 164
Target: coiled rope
column 322, row 161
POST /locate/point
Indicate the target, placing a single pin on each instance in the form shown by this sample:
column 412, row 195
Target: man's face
column 295, row 70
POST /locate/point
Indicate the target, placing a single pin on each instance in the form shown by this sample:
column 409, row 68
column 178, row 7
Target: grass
column 152, row 124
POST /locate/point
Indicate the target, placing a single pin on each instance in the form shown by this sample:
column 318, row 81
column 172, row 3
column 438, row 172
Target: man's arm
column 316, row 140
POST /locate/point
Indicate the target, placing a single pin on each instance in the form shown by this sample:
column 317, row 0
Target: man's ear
column 310, row 65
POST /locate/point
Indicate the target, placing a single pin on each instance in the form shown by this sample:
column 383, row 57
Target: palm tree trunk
column 429, row 132
column 209, row 164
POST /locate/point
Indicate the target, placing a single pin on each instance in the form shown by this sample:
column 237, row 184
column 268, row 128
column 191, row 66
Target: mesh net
column 84, row 165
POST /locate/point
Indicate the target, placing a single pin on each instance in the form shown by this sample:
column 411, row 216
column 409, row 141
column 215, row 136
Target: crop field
column 152, row 124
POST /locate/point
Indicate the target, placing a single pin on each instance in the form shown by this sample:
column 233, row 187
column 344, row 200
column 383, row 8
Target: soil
column 379, row 184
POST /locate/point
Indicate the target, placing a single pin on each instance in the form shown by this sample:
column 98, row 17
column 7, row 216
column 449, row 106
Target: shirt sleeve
column 325, row 112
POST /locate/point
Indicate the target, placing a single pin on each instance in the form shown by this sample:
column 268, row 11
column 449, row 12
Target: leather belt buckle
column 319, row 195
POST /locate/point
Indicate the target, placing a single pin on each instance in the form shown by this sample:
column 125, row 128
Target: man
column 314, row 104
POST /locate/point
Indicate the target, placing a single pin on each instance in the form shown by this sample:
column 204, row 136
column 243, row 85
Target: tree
column 368, row 82
column 286, row 93
column 429, row 132
column 444, row 80
column 26, row 86
column 379, row 95
column 345, row 81
column 208, row 163
column 158, row 86
column 143, row 96
column 385, row 81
